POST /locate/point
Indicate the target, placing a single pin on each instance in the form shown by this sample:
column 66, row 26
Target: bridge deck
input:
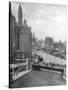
column 38, row 78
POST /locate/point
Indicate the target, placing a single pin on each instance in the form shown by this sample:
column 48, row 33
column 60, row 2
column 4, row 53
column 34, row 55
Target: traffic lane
column 39, row 78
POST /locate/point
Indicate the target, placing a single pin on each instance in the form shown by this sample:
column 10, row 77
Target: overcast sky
column 45, row 19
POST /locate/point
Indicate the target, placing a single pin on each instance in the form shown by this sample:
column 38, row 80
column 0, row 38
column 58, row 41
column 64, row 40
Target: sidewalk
column 20, row 74
column 38, row 78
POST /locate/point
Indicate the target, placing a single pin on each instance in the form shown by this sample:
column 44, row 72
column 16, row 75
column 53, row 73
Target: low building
column 60, row 47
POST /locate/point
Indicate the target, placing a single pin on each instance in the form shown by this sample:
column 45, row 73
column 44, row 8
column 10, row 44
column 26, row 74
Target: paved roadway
column 38, row 78
column 50, row 58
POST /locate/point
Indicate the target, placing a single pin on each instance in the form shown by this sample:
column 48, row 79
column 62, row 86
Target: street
column 38, row 78
column 50, row 58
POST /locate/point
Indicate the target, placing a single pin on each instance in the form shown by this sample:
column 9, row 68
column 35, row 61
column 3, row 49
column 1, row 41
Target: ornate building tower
column 20, row 43
column 20, row 15
column 19, row 28
column 23, row 36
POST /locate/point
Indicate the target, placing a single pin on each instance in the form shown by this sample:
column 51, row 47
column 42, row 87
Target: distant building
column 41, row 44
column 48, row 42
column 35, row 43
column 59, row 46
column 56, row 46
column 34, row 38
column 64, row 43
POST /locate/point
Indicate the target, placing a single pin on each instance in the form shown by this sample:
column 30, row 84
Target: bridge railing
column 19, row 69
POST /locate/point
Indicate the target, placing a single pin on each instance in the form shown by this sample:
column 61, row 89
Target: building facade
column 12, row 25
column 23, row 36
column 48, row 42
column 20, row 36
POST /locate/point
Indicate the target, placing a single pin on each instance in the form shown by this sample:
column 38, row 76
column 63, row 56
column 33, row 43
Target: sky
column 46, row 20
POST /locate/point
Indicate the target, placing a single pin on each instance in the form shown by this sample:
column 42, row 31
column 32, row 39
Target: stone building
column 20, row 36
column 12, row 24
column 23, row 42
column 20, row 45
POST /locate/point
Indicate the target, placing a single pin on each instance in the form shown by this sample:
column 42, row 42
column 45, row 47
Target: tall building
column 20, row 36
column 49, row 42
column 20, row 15
column 20, row 43
column 23, row 42
column 12, row 24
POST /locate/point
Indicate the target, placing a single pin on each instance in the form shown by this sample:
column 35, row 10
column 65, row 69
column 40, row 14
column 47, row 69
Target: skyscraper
column 23, row 36
column 49, row 42
column 20, row 15
column 12, row 25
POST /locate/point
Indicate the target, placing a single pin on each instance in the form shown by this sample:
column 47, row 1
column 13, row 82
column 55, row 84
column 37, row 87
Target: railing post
column 27, row 64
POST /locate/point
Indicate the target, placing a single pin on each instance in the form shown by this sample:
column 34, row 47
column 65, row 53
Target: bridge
column 42, row 78
column 38, row 78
